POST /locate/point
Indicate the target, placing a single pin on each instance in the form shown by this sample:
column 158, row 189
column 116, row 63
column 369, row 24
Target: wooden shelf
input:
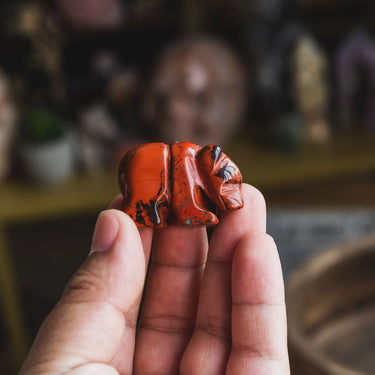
column 82, row 193
column 265, row 169
column 344, row 156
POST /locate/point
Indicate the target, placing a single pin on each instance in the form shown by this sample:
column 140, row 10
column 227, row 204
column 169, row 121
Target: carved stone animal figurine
column 162, row 184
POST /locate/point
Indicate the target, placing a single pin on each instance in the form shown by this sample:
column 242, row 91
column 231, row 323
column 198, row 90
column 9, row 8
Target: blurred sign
column 301, row 233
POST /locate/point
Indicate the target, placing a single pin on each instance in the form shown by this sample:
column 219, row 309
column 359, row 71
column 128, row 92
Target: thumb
column 87, row 324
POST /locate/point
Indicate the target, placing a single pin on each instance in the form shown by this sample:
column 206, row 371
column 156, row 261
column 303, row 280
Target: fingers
column 88, row 323
column 169, row 310
column 259, row 344
column 210, row 345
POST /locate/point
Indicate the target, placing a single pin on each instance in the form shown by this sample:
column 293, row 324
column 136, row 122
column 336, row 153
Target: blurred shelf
column 82, row 193
column 343, row 156
column 354, row 192
column 265, row 169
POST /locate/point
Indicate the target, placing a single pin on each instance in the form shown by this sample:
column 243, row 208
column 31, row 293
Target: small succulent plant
column 41, row 126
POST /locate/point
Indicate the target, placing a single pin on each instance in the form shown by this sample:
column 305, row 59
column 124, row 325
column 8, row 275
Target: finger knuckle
column 85, row 281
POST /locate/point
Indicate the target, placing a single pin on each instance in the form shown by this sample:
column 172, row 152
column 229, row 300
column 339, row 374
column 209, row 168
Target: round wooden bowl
column 331, row 312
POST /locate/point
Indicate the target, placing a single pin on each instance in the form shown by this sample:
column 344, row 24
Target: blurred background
column 287, row 87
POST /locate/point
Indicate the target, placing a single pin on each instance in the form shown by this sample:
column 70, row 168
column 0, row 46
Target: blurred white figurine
column 98, row 134
column 7, row 126
column 310, row 87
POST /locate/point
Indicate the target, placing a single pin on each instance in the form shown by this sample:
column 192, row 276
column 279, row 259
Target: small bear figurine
column 161, row 184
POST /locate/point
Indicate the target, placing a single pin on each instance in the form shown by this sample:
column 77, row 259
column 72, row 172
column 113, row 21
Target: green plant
column 41, row 126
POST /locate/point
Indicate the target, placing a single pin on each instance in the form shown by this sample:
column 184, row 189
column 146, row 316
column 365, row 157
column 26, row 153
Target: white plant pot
column 48, row 163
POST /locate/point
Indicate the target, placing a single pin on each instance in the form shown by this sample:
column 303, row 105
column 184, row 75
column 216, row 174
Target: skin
column 213, row 308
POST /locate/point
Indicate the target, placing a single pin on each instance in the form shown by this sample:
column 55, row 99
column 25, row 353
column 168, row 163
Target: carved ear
column 221, row 178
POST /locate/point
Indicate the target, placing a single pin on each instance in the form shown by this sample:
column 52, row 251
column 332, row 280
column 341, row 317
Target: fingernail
column 105, row 232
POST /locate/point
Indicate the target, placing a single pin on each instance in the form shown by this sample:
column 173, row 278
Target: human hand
column 208, row 309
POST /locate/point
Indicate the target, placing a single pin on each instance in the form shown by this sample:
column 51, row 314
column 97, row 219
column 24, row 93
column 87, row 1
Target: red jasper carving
column 162, row 184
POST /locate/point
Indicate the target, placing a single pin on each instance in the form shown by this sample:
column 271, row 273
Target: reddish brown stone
column 162, row 184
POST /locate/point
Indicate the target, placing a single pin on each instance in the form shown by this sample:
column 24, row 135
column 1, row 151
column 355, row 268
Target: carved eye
column 226, row 173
